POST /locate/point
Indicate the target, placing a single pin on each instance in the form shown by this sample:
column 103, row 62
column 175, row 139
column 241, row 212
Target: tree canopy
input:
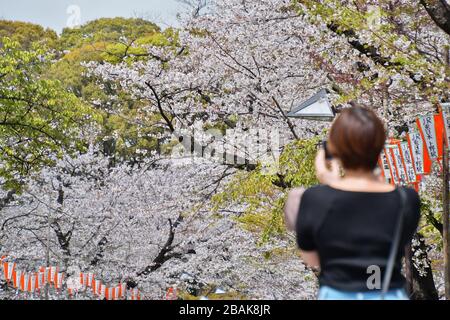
column 27, row 33
column 130, row 143
column 40, row 119
column 106, row 30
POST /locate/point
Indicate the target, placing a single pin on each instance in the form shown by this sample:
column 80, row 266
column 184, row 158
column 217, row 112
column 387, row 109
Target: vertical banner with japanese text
column 416, row 145
column 428, row 132
column 408, row 162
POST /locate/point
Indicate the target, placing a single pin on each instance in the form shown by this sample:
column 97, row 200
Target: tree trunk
column 421, row 274
column 439, row 11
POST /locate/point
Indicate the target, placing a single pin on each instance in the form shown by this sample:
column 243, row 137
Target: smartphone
column 328, row 155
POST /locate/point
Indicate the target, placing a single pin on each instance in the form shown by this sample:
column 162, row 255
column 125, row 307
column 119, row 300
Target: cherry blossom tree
column 149, row 226
column 233, row 64
column 246, row 63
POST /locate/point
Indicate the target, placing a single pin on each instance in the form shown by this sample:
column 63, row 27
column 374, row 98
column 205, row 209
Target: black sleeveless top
column 353, row 230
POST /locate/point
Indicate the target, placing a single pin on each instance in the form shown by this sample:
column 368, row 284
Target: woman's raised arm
column 291, row 207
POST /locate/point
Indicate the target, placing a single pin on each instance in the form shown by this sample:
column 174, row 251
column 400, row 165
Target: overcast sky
column 54, row 13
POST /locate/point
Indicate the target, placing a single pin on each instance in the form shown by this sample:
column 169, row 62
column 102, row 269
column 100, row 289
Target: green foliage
column 387, row 37
column 135, row 49
column 112, row 40
column 27, row 33
column 38, row 117
column 297, row 162
column 258, row 191
column 106, row 30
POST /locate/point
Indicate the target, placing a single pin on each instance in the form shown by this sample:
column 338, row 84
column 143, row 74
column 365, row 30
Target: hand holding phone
column 327, row 170
column 328, row 155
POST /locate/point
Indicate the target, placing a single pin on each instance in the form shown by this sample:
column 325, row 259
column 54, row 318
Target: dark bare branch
column 439, row 11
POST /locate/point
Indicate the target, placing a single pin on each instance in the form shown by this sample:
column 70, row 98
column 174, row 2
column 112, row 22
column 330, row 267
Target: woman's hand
column 324, row 174
column 291, row 207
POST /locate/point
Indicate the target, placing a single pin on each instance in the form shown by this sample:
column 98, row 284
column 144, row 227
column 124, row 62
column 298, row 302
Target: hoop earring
column 341, row 171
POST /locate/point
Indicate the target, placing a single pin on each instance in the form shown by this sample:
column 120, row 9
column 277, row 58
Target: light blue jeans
column 328, row 293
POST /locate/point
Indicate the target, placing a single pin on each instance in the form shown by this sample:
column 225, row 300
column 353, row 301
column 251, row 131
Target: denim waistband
column 329, row 293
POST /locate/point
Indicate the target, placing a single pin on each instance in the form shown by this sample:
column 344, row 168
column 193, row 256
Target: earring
column 341, row 171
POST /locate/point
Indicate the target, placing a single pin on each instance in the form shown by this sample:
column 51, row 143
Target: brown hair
column 357, row 137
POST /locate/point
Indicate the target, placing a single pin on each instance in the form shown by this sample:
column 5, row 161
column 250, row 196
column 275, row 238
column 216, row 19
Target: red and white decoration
column 405, row 162
column 34, row 282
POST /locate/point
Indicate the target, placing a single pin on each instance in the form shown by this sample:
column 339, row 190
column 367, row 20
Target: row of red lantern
column 87, row 280
column 34, row 282
column 405, row 162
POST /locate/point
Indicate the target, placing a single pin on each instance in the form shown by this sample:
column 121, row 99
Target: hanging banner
column 396, row 160
column 399, row 164
column 390, row 162
column 16, row 279
column 440, row 133
column 416, row 146
column 8, row 268
column 86, row 279
column 82, row 282
column 114, row 293
column 42, row 277
column 51, row 274
column 408, row 162
column 89, row 278
column 384, row 166
column 445, row 110
column 108, row 293
column 135, row 294
column 122, row 289
column 23, row 277
column 58, row 280
column 428, row 133
column 30, row 283
column 94, row 286
column 33, row 282
column 101, row 290
column 37, row 285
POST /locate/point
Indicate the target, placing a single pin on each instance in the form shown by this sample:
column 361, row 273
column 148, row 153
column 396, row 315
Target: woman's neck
column 361, row 180
column 360, row 174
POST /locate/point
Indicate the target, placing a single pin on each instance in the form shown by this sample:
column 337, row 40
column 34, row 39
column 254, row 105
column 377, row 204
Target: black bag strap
column 395, row 243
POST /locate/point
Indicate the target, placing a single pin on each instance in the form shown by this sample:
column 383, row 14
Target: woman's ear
column 336, row 168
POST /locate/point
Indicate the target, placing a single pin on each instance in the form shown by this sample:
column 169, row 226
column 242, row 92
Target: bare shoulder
column 292, row 206
column 293, row 199
column 296, row 192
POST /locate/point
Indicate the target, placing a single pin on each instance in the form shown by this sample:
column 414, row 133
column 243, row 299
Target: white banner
column 429, row 134
column 390, row 161
column 398, row 162
column 385, row 166
column 446, row 116
column 8, row 268
column 416, row 142
column 408, row 161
